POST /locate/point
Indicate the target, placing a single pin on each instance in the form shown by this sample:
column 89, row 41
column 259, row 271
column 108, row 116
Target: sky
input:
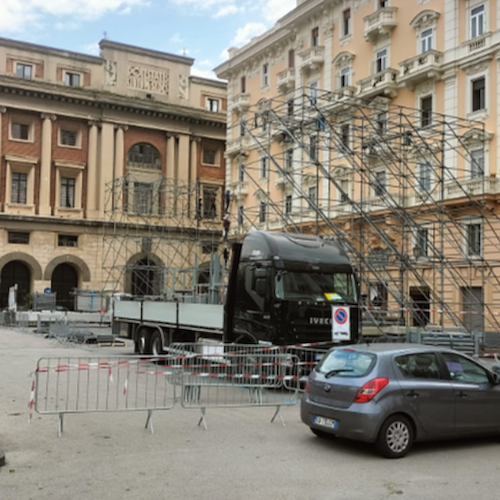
column 201, row 29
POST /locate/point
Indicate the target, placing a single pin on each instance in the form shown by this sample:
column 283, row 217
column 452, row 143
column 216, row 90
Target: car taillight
column 370, row 390
column 307, row 386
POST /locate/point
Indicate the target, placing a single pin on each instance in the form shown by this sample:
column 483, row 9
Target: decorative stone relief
column 477, row 68
column 148, row 79
column 183, row 87
column 424, row 88
column 110, row 73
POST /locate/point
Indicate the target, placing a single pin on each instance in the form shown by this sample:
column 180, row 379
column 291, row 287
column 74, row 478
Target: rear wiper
column 331, row 373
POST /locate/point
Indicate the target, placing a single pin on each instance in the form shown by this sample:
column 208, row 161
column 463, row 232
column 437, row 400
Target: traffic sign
column 341, row 324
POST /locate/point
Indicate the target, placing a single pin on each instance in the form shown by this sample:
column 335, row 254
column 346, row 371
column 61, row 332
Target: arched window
column 143, row 155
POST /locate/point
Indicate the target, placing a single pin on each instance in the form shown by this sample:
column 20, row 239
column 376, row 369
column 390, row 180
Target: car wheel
column 395, row 437
column 320, row 434
column 156, row 344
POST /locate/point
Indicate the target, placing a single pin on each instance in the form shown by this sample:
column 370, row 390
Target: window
column 262, row 211
column 312, row 196
column 67, row 192
column 19, row 188
column 241, row 172
column 478, row 94
column 426, row 111
column 289, row 160
column 344, row 136
column 209, row 202
column 209, row 156
column 424, row 177
column 20, row 131
column 422, row 365
column 345, row 74
column 18, row 238
column 313, row 147
column 422, row 241
column 383, row 4
column 464, row 370
column 143, row 155
column 313, row 92
column 381, row 61
column 426, row 40
column 380, row 184
column 291, row 58
column 474, row 237
column 72, row 79
column 264, row 163
column 212, row 105
column 265, row 75
column 382, row 123
column 346, row 30
column 288, row 203
column 477, row 21
column 477, row 163
column 344, row 190
column 290, row 107
column 69, row 137
column 24, row 71
column 315, row 37
column 143, row 198
column 241, row 215
column 243, row 84
column 66, row 240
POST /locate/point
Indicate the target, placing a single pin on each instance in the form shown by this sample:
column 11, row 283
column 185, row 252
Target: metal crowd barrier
column 307, row 359
column 102, row 384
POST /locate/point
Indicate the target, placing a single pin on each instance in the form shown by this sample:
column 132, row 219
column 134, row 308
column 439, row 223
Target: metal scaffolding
column 163, row 239
column 404, row 190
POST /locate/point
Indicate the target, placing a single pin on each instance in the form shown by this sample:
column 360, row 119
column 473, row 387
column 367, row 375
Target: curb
column 2, row 458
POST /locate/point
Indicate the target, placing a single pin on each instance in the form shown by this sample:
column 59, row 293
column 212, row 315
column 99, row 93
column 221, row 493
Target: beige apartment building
column 377, row 122
column 94, row 151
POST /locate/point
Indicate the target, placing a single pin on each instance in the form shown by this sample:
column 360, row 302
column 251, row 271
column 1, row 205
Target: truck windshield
column 338, row 287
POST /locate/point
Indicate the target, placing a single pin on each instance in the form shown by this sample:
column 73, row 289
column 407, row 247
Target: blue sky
column 202, row 29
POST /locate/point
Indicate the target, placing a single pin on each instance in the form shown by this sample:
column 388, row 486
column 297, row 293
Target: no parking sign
column 341, row 324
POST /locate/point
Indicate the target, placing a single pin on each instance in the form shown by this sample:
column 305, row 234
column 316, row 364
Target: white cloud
column 247, row 32
column 226, row 10
column 203, row 73
column 176, row 38
column 207, row 63
column 92, row 49
column 16, row 15
column 183, row 52
column 272, row 10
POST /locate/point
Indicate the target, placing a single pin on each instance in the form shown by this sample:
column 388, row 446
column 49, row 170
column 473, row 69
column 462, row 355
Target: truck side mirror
column 260, row 287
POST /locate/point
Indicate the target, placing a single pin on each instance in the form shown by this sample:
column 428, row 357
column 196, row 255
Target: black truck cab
column 282, row 288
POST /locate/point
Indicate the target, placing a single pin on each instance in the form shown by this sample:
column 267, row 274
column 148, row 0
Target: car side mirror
column 496, row 378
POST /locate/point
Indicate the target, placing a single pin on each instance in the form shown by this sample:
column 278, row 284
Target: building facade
column 76, row 130
column 378, row 122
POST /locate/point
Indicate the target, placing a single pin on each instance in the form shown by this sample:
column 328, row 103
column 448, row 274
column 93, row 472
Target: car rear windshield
column 347, row 363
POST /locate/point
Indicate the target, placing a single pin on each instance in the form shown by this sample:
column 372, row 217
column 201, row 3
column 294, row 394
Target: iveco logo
column 320, row 321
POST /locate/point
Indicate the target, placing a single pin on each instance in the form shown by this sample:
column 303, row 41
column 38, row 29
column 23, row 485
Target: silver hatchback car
column 395, row 394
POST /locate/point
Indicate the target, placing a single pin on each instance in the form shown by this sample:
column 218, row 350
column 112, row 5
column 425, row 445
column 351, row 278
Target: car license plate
column 326, row 422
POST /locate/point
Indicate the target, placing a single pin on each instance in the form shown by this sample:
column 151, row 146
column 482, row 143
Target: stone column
column 183, row 168
column 171, row 167
column 46, row 154
column 105, row 166
column 2, row 111
column 92, row 211
column 119, row 151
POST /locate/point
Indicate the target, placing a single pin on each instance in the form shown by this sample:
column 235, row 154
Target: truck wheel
column 156, row 344
column 143, row 342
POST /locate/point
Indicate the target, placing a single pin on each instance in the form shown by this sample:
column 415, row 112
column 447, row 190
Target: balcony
column 312, row 58
column 238, row 146
column 422, row 67
column 475, row 44
column 286, row 80
column 241, row 102
column 380, row 23
column 282, row 181
column 339, row 97
column 383, row 83
column 239, row 189
column 471, row 187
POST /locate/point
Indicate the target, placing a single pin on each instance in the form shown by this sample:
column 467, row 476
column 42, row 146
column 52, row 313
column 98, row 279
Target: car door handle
column 462, row 394
column 413, row 394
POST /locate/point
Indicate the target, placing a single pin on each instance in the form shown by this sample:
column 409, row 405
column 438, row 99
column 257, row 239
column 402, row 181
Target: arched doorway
column 14, row 272
column 63, row 281
column 145, row 278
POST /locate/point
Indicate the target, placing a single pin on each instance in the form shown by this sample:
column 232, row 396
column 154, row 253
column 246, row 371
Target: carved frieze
column 149, row 79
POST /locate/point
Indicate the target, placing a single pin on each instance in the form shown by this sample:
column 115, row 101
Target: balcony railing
column 422, row 67
column 312, row 58
column 286, row 80
column 383, row 83
column 239, row 189
column 241, row 102
column 472, row 187
column 281, row 181
column 238, row 146
column 338, row 97
column 381, row 22
column 475, row 44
